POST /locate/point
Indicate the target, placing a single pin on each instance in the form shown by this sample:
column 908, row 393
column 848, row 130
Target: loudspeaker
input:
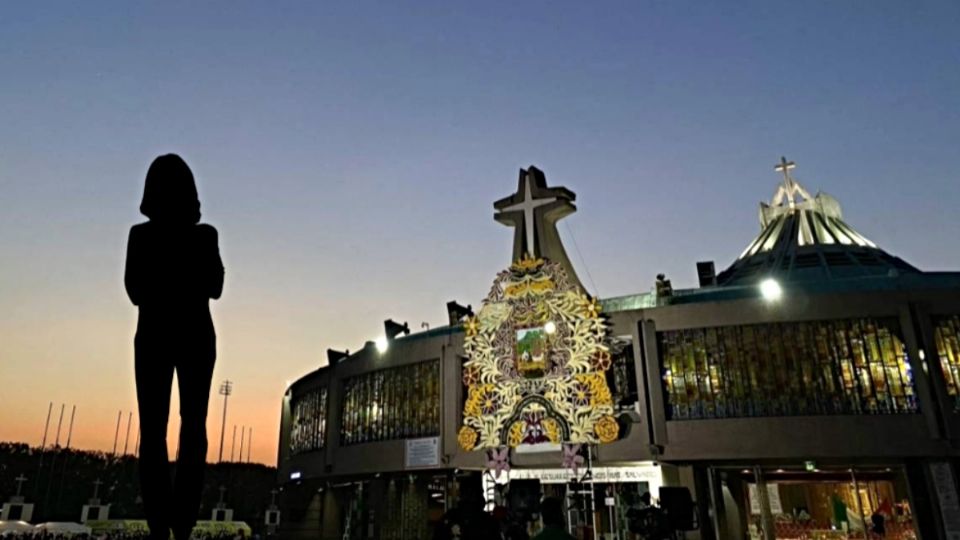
column 677, row 503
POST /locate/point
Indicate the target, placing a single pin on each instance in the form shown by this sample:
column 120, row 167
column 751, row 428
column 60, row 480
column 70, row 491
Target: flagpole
column 43, row 444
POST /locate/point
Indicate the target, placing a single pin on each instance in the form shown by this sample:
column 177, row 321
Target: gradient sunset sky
column 349, row 156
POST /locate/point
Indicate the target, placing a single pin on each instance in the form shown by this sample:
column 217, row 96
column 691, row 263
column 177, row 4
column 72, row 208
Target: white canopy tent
column 9, row 527
column 64, row 527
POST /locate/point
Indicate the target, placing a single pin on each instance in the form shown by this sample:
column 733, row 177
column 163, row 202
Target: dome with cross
column 803, row 237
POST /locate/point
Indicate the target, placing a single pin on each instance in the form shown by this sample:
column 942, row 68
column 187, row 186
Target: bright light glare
column 550, row 327
column 770, row 290
column 382, row 344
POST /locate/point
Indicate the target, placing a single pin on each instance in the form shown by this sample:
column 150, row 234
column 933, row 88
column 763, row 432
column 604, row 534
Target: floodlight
column 770, row 290
column 550, row 327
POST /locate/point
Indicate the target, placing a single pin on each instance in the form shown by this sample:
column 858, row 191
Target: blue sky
column 350, row 154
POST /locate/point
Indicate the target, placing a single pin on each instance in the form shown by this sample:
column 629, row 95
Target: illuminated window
column 947, row 334
column 396, row 403
column 309, row 425
column 850, row 366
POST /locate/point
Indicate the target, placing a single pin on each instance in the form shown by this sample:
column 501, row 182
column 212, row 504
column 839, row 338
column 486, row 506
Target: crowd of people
column 471, row 522
column 138, row 534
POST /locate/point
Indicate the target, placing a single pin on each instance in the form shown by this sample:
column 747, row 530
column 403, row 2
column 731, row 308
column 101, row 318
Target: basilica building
column 811, row 389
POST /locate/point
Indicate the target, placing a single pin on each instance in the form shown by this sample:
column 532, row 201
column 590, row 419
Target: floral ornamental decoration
column 607, row 429
column 467, row 438
column 571, row 458
column 498, row 461
column 537, row 354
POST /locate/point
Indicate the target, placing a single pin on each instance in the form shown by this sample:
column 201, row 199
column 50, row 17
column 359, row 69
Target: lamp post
column 225, row 390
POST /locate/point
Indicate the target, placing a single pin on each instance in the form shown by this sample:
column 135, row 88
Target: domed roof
column 804, row 238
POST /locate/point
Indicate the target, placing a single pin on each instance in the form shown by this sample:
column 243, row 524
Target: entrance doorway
column 815, row 503
column 602, row 504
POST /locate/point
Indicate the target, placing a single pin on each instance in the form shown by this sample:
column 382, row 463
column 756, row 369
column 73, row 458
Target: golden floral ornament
column 599, row 390
column 593, row 308
column 467, row 438
column 552, row 430
column 515, row 437
column 471, row 326
column 528, row 287
column 480, row 396
column 607, row 429
column 527, row 264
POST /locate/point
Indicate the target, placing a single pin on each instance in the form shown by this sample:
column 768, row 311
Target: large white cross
column 528, row 204
column 790, row 187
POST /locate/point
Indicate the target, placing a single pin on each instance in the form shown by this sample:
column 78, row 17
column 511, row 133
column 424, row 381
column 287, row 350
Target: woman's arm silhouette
column 213, row 271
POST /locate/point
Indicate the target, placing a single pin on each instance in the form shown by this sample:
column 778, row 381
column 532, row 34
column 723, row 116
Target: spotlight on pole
column 335, row 357
column 457, row 313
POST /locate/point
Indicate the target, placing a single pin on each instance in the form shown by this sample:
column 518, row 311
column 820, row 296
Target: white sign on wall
column 422, row 453
column 650, row 474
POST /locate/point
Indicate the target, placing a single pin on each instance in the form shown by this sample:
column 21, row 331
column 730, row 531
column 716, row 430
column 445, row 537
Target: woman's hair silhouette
column 173, row 269
column 170, row 193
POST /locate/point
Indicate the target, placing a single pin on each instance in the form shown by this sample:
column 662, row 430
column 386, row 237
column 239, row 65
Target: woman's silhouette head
column 170, row 194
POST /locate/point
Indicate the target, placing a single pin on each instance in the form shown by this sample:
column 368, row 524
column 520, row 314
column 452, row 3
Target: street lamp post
column 225, row 390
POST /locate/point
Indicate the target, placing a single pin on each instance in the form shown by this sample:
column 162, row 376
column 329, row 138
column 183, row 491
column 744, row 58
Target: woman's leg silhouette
column 173, row 505
column 194, row 374
column 154, row 377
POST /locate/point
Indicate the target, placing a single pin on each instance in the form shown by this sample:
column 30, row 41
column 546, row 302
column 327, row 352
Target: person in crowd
column 450, row 526
column 878, row 524
column 477, row 523
column 554, row 524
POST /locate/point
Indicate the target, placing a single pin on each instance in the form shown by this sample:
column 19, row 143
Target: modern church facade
column 810, row 390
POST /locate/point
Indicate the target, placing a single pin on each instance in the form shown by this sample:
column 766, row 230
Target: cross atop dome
column 533, row 212
column 790, row 189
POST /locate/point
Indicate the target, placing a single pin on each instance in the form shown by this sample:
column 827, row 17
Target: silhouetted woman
column 173, row 270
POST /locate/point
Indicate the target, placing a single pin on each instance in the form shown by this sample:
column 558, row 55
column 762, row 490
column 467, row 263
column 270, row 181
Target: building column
column 923, row 503
column 766, row 516
column 709, row 505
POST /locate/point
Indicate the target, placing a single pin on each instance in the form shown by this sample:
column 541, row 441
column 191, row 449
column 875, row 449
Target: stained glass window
column 947, row 334
column 309, row 426
column 395, row 403
column 849, row 366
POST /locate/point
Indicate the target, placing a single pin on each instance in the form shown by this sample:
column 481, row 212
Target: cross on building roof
column 527, row 205
column 789, row 190
column 784, row 166
column 20, row 480
column 533, row 211
column 96, row 492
